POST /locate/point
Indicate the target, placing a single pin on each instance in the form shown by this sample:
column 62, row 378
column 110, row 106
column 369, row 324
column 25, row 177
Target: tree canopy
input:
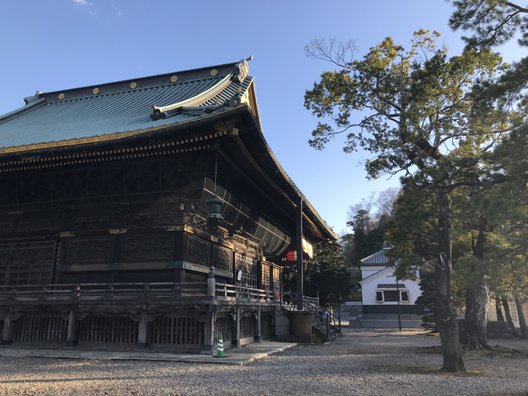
column 493, row 22
column 413, row 110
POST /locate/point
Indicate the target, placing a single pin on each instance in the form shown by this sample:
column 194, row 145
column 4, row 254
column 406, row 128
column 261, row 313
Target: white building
column 381, row 292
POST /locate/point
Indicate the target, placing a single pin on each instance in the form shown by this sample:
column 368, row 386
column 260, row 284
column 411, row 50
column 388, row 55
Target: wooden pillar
column 259, row 273
column 71, row 335
column 299, row 249
column 236, row 329
column 258, row 333
column 7, row 332
column 271, row 280
column 210, row 315
column 209, row 330
column 179, row 275
column 211, row 283
column 273, row 285
column 143, row 329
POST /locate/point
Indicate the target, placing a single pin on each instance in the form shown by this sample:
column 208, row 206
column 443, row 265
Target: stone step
column 391, row 316
column 389, row 324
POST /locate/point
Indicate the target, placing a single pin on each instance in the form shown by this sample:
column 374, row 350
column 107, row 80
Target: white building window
column 379, row 296
column 392, row 296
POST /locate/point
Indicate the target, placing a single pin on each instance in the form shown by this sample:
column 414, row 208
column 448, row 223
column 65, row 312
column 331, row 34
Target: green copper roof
column 121, row 107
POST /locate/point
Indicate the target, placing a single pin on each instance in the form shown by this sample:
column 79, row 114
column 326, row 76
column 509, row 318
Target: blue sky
column 58, row 44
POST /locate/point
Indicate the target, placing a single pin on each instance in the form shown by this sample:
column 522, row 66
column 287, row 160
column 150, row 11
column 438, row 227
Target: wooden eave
column 147, row 143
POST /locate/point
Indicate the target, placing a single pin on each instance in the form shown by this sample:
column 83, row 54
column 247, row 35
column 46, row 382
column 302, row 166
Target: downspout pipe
column 299, row 250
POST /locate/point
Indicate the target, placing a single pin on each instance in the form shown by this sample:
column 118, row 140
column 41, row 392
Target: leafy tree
column 349, row 251
column 492, row 21
column 368, row 220
column 328, row 276
column 474, row 222
column 411, row 110
column 426, row 301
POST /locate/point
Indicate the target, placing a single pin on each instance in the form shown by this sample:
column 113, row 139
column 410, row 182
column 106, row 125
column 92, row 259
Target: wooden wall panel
column 27, row 262
column 148, row 248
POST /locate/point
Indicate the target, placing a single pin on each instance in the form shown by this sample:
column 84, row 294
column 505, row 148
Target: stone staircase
column 322, row 333
column 324, row 325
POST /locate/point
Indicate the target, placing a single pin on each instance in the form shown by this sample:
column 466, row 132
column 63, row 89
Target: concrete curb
column 235, row 356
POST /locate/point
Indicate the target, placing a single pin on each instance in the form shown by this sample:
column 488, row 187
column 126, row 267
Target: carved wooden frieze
column 89, row 250
column 199, row 223
column 147, row 248
column 198, row 250
column 245, row 264
column 222, row 258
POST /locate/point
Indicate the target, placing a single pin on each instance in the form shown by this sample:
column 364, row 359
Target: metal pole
column 399, row 313
column 299, row 249
column 339, row 317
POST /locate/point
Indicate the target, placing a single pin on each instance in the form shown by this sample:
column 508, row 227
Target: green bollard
column 220, row 348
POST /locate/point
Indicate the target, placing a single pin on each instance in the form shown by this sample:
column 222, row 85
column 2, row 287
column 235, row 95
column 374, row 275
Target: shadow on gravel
column 422, row 370
column 493, row 351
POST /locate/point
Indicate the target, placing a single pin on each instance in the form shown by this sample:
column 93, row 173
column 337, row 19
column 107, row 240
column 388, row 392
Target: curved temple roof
column 117, row 109
column 134, row 107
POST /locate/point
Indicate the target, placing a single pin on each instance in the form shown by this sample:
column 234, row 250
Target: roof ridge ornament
column 33, row 98
column 241, row 70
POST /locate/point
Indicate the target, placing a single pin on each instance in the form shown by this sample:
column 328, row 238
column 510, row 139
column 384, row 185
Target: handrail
column 312, row 305
column 156, row 291
column 227, row 290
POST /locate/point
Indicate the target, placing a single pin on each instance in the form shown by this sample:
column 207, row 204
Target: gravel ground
column 360, row 363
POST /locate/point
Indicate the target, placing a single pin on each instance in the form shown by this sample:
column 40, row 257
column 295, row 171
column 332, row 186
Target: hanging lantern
column 214, row 210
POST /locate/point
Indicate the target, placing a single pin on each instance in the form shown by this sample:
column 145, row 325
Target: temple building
column 146, row 212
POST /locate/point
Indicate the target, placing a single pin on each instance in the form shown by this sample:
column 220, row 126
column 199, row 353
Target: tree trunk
column 509, row 318
column 445, row 313
column 476, row 321
column 474, row 336
column 498, row 310
column 522, row 318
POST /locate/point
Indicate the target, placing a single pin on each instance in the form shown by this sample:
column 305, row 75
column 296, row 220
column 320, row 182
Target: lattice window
column 266, row 276
column 224, row 326
column 248, row 268
column 247, row 326
column 266, row 326
column 23, row 263
column 40, row 328
column 108, row 330
column 277, row 282
column 182, row 330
